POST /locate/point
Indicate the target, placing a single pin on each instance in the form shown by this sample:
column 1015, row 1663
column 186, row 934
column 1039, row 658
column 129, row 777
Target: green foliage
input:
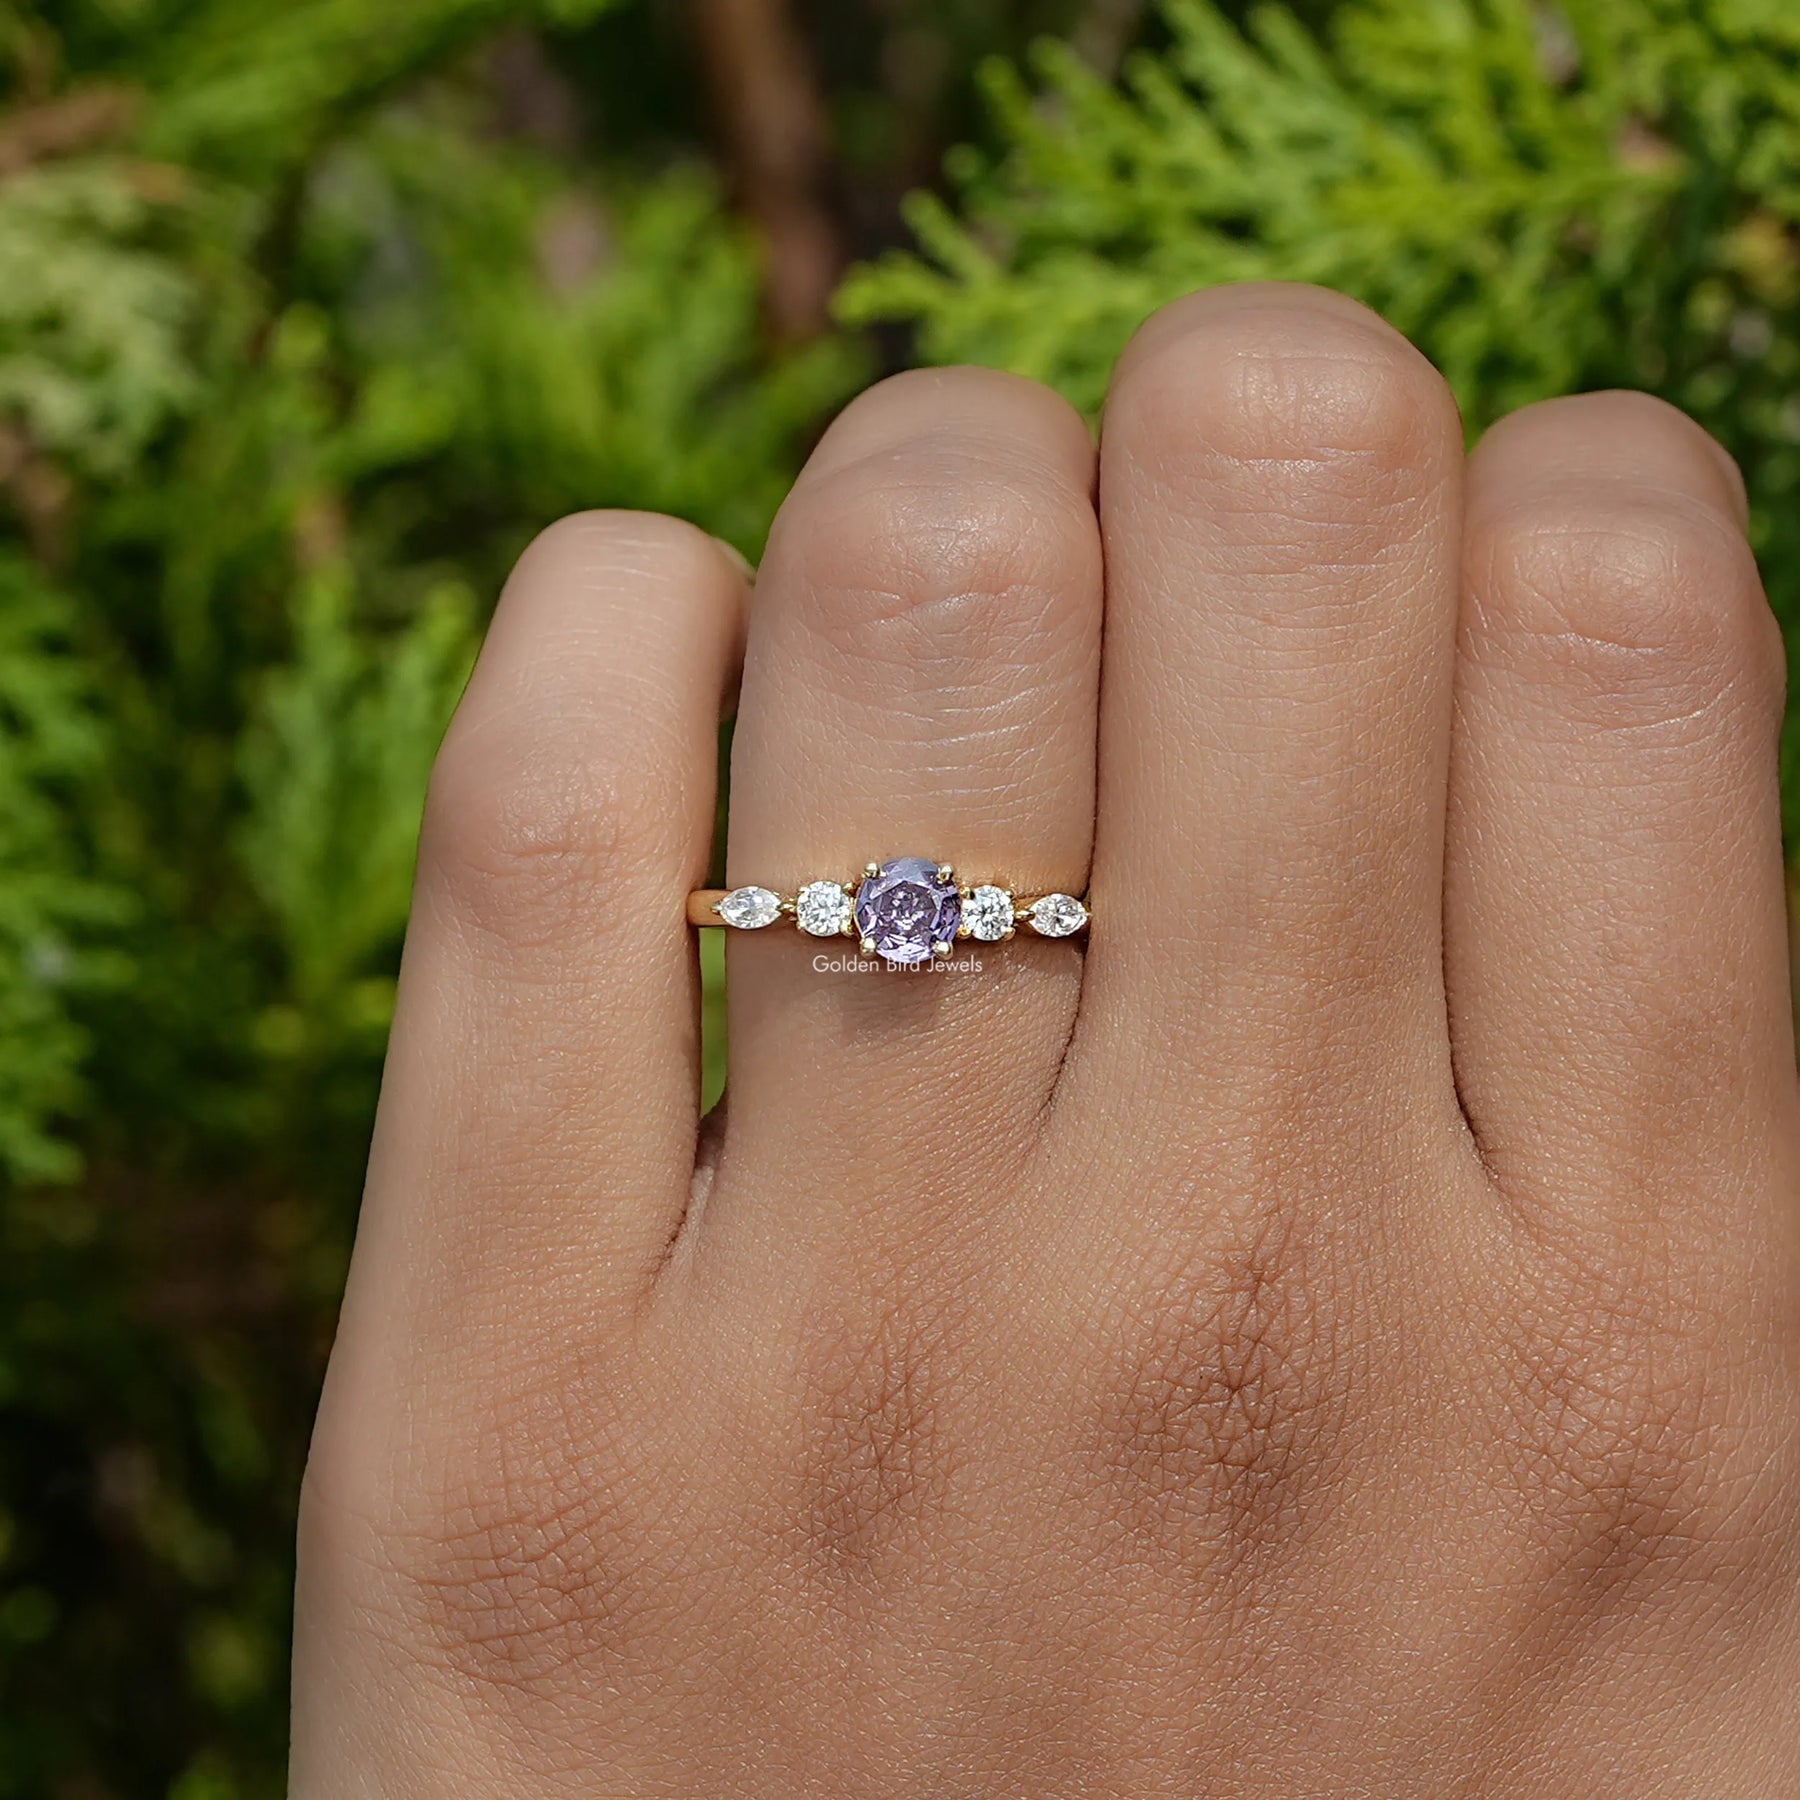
column 1533, row 194
column 306, row 325
column 92, row 319
column 1545, row 199
column 51, row 914
column 259, row 90
column 297, row 349
column 607, row 350
column 334, row 759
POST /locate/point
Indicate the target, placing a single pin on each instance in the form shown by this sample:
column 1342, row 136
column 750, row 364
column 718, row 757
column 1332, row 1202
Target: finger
column 1616, row 938
column 1279, row 495
column 920, row 679
column 539, row 1107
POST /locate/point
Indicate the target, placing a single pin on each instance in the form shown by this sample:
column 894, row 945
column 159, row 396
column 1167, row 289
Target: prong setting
column 749, row 908
column 987, row 913
column 1057, row 915
column 823, row 908
column 910, row 910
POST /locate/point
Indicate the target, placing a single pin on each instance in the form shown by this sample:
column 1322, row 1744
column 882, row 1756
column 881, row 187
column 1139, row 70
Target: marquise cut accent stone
column 1058, row 915
column 823, row 908
column 750, row 908
column 905, row 911
column 987, row 914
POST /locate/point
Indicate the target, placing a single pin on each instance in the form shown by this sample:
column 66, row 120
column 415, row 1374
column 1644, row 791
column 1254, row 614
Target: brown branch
column 41, row 494
column 777, row 146
column 77, row 121
column 1106, row 32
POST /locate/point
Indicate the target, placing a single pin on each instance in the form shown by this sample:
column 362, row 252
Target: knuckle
column 512, row 1553
column 520, row 822
column 514, row 1595
column 620, row 542
column 1307, row 392
column 1643, row 1471
column 565, row 774
column 1649, row 597
column 960, row 399
column 1648, row 417
column 1645, row 428
column 875, row 1456
column 1220, row 1416
column 935, row 551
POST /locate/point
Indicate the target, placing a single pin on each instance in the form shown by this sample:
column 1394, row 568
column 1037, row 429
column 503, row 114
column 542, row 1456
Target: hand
column 1333, row 1335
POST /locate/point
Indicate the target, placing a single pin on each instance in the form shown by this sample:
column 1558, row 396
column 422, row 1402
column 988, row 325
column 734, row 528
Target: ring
column 908, row 910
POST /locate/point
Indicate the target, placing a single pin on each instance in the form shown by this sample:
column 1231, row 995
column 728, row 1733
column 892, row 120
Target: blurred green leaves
column 1541, row 197
column 299, row 344
column 55, row 917
column 256, row 91
column 94, row 319
column 335, row 754
column 310, row 315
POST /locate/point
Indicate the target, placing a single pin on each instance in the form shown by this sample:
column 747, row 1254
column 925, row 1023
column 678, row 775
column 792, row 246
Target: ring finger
column 921, row 679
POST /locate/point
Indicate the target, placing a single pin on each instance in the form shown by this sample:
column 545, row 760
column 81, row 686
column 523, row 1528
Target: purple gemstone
column 905, row 910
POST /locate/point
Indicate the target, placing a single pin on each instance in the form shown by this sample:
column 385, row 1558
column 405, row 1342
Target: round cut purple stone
column 904, row 910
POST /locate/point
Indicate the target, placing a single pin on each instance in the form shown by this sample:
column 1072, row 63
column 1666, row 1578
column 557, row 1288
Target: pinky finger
column 540, row 1104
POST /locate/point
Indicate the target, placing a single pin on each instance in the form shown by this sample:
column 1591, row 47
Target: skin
column 1333, row 1334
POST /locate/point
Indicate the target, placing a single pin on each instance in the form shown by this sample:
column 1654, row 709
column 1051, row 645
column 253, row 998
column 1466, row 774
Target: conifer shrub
column 297, row 350
column 300, row 341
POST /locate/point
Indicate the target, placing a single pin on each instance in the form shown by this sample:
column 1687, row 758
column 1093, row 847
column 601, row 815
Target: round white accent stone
column 750, row 908
column 823, row 908
column 1058, row 915
column 988, row 913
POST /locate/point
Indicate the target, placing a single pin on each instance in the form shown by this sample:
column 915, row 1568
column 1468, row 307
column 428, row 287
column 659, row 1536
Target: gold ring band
column 908, row 909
